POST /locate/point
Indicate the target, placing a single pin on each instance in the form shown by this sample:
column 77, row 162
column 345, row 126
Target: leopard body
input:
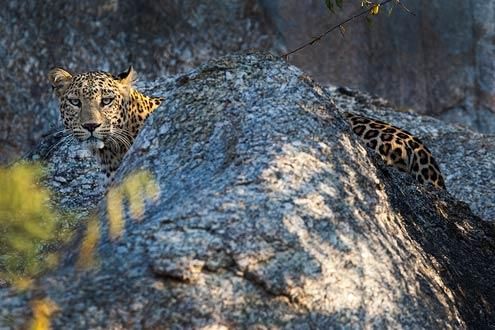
column 397, row 148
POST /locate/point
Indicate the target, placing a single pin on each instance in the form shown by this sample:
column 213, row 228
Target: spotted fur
column 398, row 148
column 102, row 111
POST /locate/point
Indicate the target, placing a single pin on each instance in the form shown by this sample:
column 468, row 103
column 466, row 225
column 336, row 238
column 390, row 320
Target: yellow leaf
column 374, row 10
column 42, row 313
column 23, row 283
column 115, row 212
column 88, row 247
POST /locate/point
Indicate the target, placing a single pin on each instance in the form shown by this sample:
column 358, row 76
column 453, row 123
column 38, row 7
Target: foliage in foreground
column 27, row 223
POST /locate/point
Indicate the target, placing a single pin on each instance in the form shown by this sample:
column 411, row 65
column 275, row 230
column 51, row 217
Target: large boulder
column 272, row 214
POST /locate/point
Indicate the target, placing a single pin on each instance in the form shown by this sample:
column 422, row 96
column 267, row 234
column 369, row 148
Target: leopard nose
column 91, row 126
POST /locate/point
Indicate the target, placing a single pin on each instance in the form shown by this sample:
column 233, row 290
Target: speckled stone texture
column 273, row 215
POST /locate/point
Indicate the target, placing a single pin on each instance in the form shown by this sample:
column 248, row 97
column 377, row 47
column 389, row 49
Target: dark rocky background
column 439, row 62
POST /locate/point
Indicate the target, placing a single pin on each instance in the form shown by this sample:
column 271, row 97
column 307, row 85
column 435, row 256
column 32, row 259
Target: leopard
column 104, row 112
column 398, row 148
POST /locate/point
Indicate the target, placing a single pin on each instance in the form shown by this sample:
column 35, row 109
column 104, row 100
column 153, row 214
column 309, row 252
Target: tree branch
column 340, row 25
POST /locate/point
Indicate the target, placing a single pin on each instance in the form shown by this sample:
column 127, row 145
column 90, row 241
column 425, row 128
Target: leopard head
column 93, row 105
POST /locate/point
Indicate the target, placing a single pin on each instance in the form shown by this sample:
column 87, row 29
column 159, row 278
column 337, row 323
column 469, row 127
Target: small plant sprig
column 27, row 224
column 370, row 8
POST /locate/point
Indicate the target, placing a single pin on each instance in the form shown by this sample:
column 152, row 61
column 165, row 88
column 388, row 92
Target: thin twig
column 405, row 8
column 341, row 24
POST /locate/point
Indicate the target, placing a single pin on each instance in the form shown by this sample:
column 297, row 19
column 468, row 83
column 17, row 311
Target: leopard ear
column 60, row 80
column 128, row 77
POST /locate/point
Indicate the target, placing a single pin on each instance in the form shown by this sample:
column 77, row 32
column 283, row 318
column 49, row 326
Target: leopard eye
column 106, row 100
column 75, row 102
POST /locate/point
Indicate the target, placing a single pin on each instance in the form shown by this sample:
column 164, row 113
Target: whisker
column 124, row 132
column 113, row 141
column 122, row 138
column 63, row 131
column 56, row 144
column 122, row 143
column 127, row 141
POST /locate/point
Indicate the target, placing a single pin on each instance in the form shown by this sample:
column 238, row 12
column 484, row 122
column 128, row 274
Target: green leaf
column 339, row 3
column 391, row 9
column 329, row 5
column 369, row 20
column 28, row 222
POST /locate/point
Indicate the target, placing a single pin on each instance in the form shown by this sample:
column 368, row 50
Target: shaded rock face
column 272, row 214
column 439, row 62
column 156, row 37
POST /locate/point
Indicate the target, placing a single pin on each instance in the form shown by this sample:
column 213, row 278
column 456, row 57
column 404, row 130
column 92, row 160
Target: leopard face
column 102, row 111
column 398, row 148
